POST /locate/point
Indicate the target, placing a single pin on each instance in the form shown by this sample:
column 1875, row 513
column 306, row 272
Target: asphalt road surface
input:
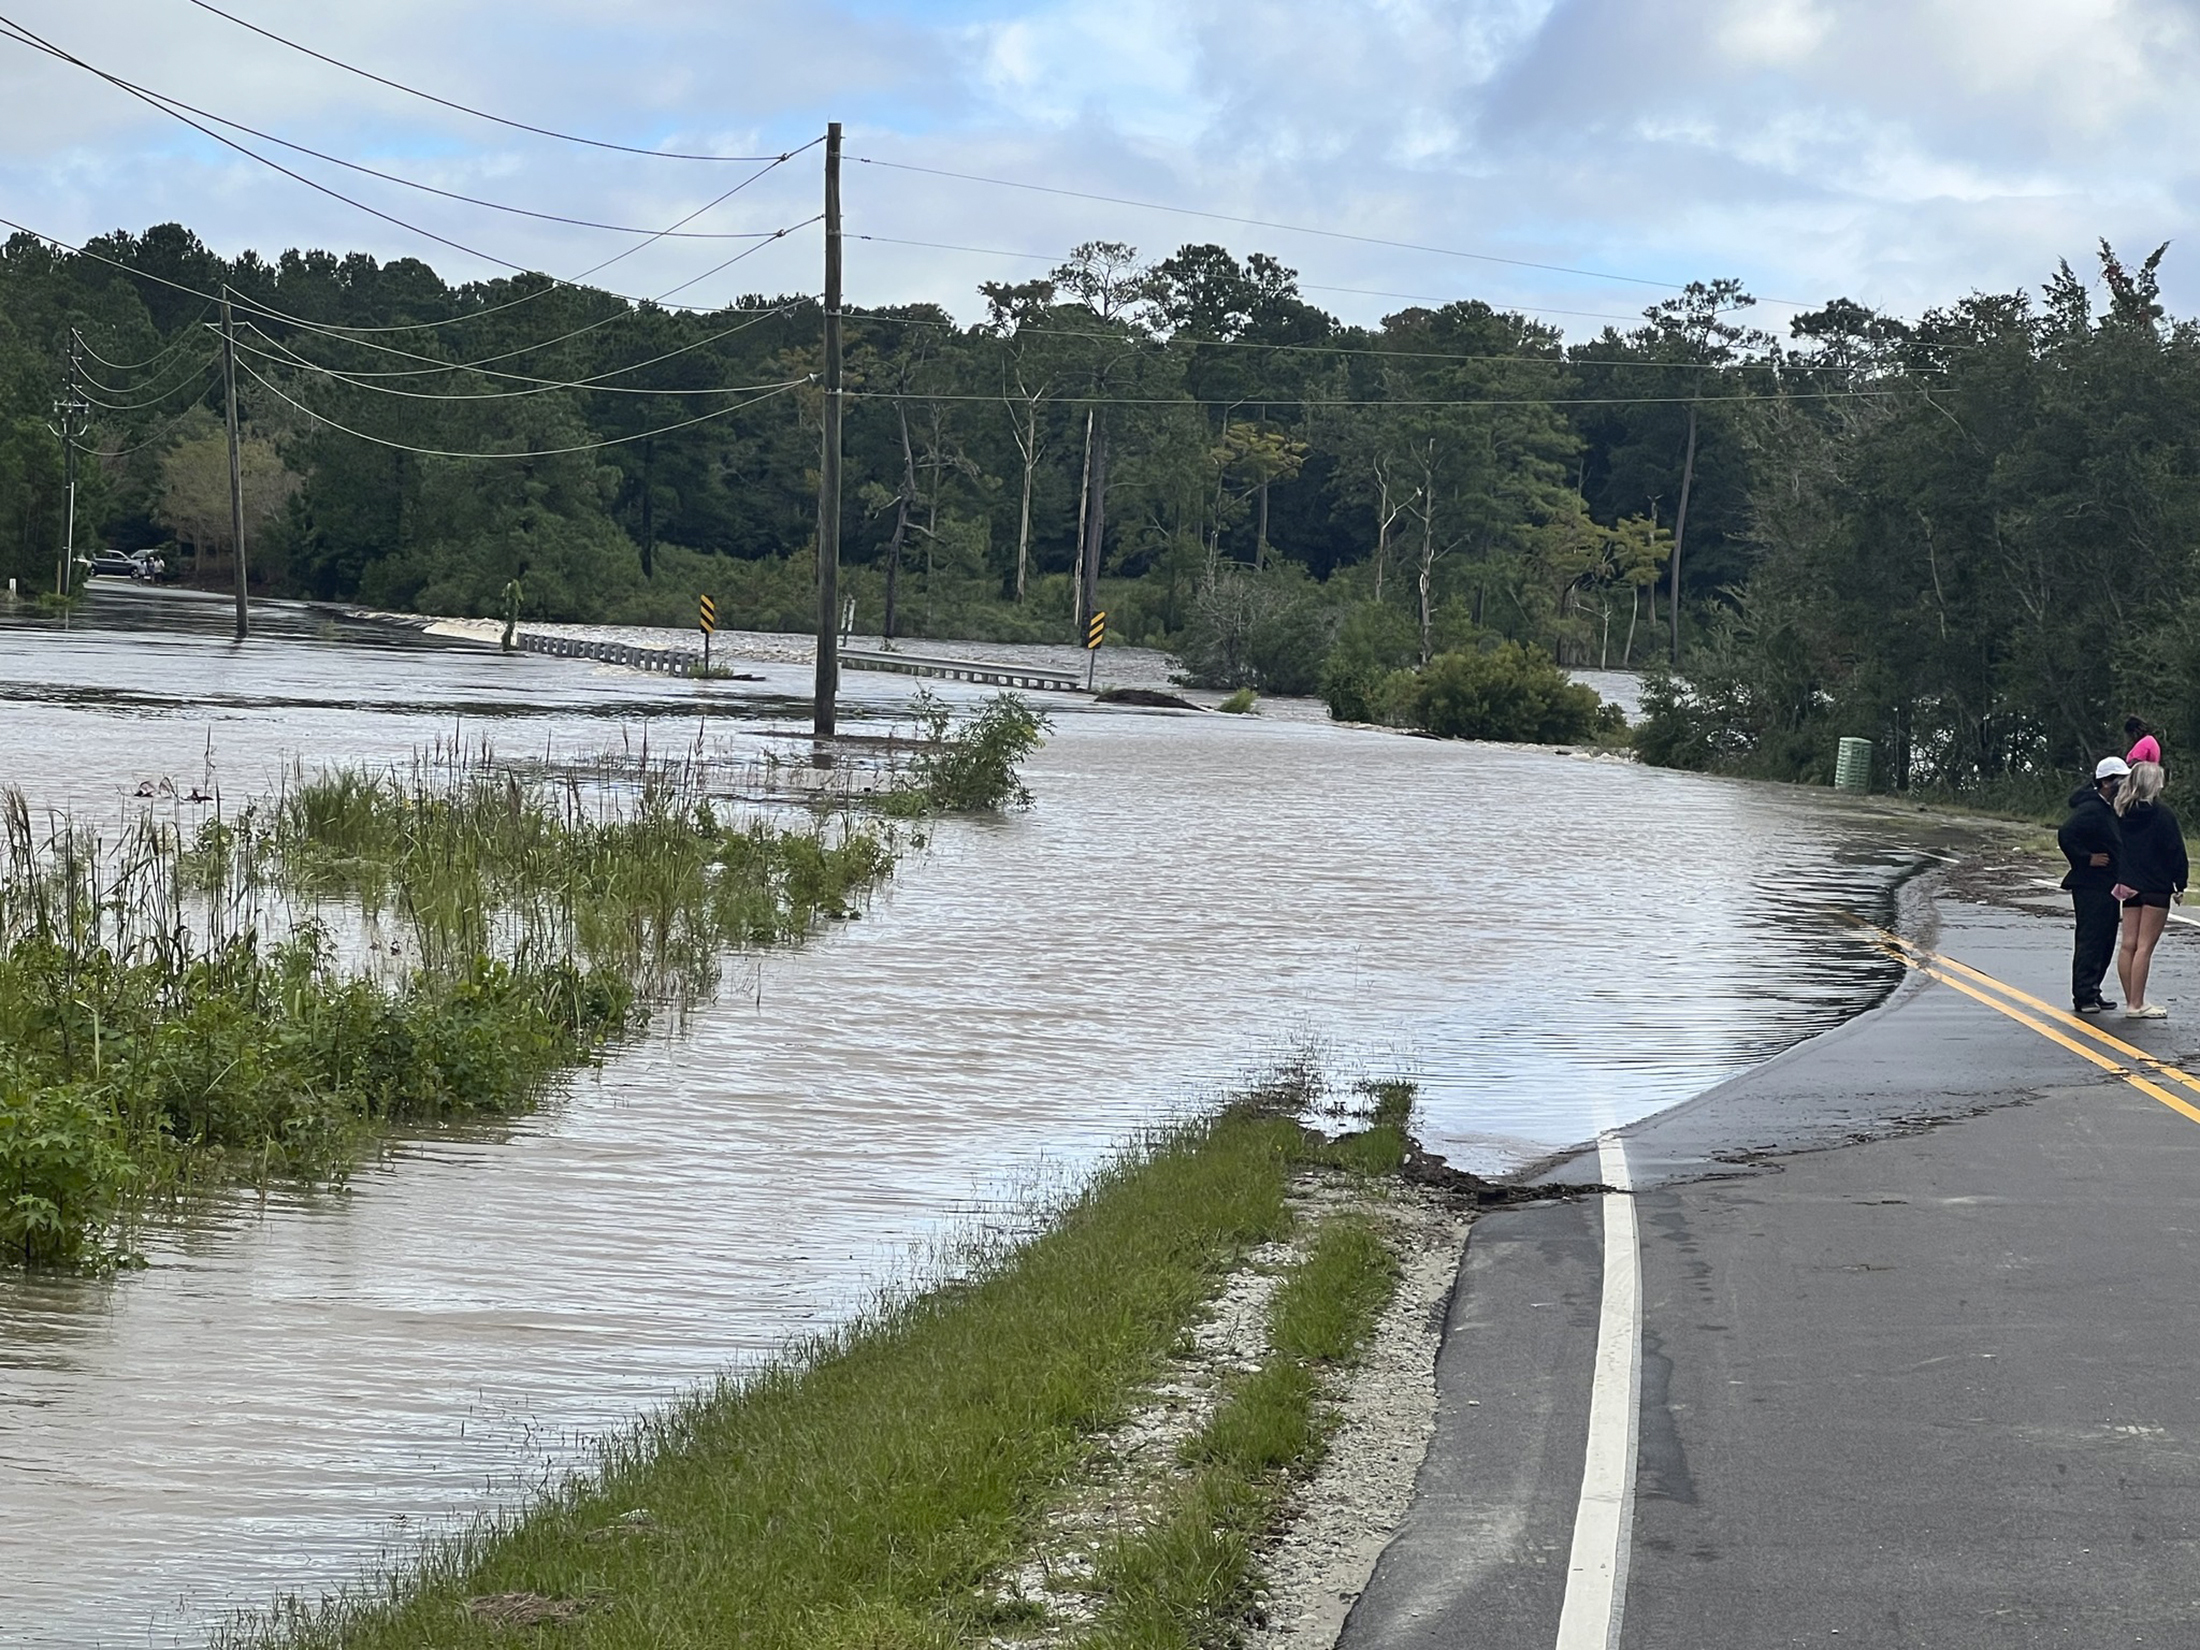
column 1915, row 1359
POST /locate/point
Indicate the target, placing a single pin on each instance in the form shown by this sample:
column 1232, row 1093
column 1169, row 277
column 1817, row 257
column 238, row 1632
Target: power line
column 174, row 345
column 1386, row 401
column 1306, row 286
column 291, row 358
column 152, row 440
column 24, row 36
column 1192, row 341
column 159, row 97
column 334, row 329
column 464, row 109
column 194, row 381
column 1287, row 228
column 479, row 365
column 540, row 452
column 15, row 31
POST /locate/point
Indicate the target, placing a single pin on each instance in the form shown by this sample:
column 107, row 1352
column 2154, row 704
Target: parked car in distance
column 117, row 564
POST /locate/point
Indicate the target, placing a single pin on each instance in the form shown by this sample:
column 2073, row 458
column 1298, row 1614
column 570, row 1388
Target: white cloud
column 1901, row 151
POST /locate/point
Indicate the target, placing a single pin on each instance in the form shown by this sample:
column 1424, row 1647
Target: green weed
column 864, row 1490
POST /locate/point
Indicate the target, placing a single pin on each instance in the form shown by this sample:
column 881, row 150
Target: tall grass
column 863, row 1493
column 178, row 1011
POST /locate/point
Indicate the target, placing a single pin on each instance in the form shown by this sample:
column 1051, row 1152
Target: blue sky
column 1898, row 151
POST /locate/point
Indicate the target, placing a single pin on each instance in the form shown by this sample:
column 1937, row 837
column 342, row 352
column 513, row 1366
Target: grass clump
column 1182, row 1580
column 1239, row 703
column 863, row 1492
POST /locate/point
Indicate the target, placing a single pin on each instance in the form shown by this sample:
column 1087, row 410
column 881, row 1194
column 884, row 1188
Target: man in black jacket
column 2092, row 840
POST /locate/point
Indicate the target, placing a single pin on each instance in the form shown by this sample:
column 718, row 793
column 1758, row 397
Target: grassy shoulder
column 870, row 1491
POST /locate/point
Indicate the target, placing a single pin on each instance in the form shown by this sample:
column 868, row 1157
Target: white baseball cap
column 2111, row 767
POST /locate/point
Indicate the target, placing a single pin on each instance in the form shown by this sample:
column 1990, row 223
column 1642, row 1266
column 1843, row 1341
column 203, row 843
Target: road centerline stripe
column 1946, row 970
column 1596, row 1572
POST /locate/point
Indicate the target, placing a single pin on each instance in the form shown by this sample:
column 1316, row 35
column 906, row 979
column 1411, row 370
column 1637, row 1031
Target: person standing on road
column 2154, row 868
column 2144, row 746
column 2092, row 840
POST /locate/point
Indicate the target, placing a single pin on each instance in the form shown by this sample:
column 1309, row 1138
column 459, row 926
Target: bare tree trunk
column 1634, row 607
column 1383, row 518
column 1428, row 569
column 1030, row 446
column 1260, row 532
column 1096, row 526
column 1084, row 514
column 901, row 523
column 649, row 507
column 1680, row 531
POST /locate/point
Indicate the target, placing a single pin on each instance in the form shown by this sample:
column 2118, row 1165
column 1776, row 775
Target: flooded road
column 1549, row 944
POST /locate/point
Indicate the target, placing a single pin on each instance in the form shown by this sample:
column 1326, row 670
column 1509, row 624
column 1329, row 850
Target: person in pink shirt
column 2145, row 747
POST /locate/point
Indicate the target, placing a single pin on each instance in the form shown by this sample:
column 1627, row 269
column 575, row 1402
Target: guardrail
column 986, row 671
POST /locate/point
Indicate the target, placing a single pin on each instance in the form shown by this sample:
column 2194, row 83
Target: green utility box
column 1852, row 769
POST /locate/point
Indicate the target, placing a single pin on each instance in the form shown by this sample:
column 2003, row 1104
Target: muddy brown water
column 1549, row 943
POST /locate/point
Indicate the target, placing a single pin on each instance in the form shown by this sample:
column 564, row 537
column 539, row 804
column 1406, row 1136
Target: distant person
column 2154, row 869
column 2144, row 746
column 2092, row 839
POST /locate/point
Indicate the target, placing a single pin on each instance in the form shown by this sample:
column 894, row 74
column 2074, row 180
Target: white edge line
column 1596, row 1574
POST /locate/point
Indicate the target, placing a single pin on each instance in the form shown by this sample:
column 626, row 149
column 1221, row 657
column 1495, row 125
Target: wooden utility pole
column 1680, row 531
column 828, row 469
column 236, row 456
column 72, row 408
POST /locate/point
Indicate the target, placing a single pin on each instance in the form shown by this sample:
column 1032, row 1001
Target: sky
column 1898, row 152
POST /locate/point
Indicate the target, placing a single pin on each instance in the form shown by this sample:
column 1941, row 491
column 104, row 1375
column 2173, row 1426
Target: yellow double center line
column 2111, row 1053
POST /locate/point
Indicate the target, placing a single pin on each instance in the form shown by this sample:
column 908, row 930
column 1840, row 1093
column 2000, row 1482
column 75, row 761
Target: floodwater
column 1550, row 944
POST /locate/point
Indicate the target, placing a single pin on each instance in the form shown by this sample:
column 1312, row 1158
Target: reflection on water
column 1550, row 943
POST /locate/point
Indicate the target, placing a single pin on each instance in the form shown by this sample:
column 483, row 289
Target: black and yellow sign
column 706, row 614
column 1096, row 629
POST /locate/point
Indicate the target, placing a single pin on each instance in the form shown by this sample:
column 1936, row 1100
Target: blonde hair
column 2142, row 784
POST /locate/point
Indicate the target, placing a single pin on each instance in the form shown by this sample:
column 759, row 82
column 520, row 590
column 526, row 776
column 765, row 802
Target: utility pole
column 828, row 469
column 1680, row 532
column 72, row 407
column 236, row 457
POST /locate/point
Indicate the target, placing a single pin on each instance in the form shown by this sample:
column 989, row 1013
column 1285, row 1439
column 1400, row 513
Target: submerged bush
column 971, row 768
column 1510, row 692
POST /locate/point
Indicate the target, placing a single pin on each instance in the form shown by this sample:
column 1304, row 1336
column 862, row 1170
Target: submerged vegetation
column 875, row 1488
column 372, row 949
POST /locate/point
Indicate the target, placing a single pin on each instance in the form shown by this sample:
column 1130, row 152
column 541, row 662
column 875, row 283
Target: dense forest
column 1968, row 537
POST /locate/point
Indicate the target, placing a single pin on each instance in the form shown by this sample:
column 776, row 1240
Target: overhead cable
column 171, row 101
column 540, row 452
column 1195, row 342
column 436, row 366
column 479, row 364
column 1286, row 228
column 153, row 440
column 195, row 381
column 23, row 36
column 182, row 338
column 1308, row 286
column 290, row 358
column 464, row 109
column 554, row 283
column 1400, row 401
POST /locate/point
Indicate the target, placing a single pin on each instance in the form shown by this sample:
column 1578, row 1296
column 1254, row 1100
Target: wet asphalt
column 1921, row 1350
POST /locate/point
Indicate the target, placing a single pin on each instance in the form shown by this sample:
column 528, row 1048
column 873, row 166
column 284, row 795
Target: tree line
column 1969, row 536
column 1186, row 441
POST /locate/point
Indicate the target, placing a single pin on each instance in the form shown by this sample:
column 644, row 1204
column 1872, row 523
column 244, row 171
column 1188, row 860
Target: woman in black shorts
column 2154, row 870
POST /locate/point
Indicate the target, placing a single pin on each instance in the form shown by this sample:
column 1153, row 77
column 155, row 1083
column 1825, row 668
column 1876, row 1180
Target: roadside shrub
column 1266, row 630
column 1374, row 643
column 1510, row 692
